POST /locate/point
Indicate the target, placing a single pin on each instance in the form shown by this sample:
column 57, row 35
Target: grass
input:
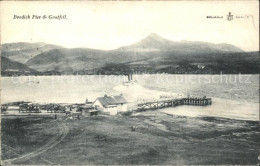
column 157, row 139
column 24, row 134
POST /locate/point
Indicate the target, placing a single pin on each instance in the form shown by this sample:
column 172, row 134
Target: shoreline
column 134, row 114
column 222, row 108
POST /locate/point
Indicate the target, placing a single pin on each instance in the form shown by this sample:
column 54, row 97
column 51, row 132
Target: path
column 50, row 144
column 10, row 149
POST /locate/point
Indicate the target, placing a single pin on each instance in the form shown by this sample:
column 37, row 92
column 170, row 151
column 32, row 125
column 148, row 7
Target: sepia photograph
column 129, row 83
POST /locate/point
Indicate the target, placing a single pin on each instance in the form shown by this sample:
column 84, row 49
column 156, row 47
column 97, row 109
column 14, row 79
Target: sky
column 112, row 24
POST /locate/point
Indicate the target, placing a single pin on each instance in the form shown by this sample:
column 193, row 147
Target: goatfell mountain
column 154, row 42
column 152, row 54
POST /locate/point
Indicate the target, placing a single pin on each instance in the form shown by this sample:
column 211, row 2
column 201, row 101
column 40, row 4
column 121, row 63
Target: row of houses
column 110, row 105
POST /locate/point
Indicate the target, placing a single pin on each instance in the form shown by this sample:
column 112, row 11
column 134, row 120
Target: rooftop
column 112, row 100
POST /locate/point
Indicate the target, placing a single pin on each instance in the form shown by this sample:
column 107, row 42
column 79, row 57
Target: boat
column 130, row 81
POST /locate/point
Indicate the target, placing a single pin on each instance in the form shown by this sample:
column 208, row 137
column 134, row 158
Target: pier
column 173, row 103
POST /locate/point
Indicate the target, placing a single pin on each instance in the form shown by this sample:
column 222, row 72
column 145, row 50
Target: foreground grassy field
column 157, row 138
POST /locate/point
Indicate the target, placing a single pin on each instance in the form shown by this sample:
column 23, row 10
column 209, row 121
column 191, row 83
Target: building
column 111, row 104
column 88, row 110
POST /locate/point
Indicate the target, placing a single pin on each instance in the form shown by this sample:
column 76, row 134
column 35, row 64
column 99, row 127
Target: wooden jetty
column 173, row 103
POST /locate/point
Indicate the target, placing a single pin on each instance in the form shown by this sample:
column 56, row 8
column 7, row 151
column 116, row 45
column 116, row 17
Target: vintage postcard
column 130, row 83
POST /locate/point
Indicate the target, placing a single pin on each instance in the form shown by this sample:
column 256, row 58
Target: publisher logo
column 229, row 16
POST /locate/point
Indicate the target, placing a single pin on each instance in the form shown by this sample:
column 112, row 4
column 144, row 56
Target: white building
column 111, row 104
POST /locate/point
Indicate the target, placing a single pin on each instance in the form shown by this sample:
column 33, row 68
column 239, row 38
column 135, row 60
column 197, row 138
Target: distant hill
column 72, row 60
column 152, row 54
column 22, row 52
column 154, row 42
column 9, row 67
column 151, row 48
column 207, row 63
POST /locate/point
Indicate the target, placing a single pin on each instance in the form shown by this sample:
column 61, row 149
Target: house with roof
column 111, row 104
column 88, row 110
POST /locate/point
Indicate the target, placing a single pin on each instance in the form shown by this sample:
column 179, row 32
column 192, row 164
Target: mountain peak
column 154, row 36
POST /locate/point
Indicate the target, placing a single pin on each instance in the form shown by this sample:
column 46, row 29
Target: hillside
column 9, row 67
column 152, row 54
column 151, row 48
column 72, row 60
column 154, row 42
column 22, row 52
column 226, row 63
